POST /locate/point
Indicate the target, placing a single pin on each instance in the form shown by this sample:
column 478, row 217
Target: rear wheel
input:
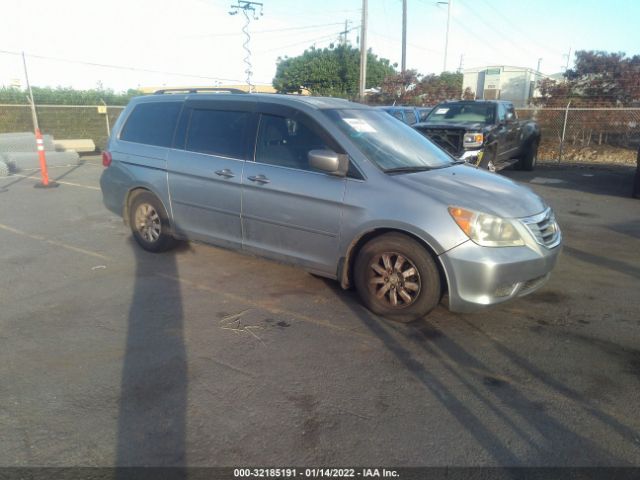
column 530, row 157
column 397, row 278
column 150, row 224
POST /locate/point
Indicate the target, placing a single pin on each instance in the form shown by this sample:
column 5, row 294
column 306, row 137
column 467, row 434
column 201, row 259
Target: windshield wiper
column 415, row 168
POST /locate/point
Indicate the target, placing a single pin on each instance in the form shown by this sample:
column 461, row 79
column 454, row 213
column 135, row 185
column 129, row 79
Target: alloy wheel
column 394, row 279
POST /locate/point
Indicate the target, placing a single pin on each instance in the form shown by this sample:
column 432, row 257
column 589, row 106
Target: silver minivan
column 342, row 190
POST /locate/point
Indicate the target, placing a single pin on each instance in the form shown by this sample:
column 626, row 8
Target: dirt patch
column 597, row 154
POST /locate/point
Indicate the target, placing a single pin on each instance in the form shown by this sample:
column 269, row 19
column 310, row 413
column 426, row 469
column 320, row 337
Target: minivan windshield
column 390, row 144
column 462, row 113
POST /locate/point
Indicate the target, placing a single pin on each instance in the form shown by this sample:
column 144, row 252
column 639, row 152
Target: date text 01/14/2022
column 314, row 473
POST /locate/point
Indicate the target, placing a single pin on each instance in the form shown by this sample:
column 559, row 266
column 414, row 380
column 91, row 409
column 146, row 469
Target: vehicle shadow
column 600, row 179
column 153, row 394
column 604, row 262
column 548, row 441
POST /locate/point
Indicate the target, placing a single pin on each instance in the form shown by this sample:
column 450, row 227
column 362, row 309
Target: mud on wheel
column 397, row 277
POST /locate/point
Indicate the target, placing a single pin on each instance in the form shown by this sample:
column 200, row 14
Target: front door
column 205, row 173
column 291, row 212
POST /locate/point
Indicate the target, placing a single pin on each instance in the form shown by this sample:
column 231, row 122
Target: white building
column 501, row 82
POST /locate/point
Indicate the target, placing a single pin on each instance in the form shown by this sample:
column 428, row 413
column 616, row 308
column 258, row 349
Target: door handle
column 226, row 173
column 259, row 179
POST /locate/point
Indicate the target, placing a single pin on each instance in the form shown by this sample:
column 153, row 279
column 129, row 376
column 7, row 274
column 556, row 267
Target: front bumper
column 471, row 156
column 482, row 276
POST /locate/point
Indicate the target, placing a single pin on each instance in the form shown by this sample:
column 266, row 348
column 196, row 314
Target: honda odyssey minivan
column 339, row 189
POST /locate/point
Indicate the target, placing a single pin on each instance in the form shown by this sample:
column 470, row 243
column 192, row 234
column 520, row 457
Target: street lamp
column 446, row 39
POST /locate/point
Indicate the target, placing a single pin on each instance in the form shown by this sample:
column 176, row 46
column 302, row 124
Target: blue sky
column 199, row 43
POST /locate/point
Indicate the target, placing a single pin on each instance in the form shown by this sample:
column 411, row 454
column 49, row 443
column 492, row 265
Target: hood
column 472, row 188
column 470, row 127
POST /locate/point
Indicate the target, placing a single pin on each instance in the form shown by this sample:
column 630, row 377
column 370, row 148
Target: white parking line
column 31, row 177
column 53, row 242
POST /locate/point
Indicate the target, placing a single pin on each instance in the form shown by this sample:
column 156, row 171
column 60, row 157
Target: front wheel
column 150, row 224
column 397, row 278
column 489, row 159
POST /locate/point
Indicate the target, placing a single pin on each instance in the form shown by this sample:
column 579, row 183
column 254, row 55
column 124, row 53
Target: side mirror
column 509, row 117
column 329, row 161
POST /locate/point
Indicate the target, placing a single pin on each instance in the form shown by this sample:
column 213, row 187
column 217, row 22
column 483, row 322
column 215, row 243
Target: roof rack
column 198, row 90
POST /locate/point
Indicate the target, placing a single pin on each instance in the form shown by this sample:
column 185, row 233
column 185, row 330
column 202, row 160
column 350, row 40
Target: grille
column 544, row 228
column 449, row 140
column 533, row 284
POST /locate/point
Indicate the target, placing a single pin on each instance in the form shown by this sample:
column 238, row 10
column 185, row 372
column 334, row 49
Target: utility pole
column 245, row 7
column 566, row 67
column 461, row 63
column 343, row 34
column 446, row 38
column 404, row 36
column 363, row 51
column 538, row 67
column 34, row 115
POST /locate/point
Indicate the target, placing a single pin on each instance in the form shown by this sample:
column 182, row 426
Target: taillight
column 106, row 159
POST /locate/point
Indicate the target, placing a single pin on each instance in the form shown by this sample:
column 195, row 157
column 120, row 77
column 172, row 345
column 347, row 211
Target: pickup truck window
column 462, row 113
column 502, row 113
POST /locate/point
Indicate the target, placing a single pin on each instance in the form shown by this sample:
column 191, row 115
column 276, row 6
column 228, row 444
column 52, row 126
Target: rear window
column 217, row 132
column 152, row 123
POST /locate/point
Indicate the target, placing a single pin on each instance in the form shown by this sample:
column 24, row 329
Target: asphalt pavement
column 113, row 356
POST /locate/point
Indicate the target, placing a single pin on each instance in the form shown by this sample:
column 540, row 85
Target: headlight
column 473, row 139
column 486, row 230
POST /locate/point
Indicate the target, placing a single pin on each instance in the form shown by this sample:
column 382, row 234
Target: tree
column 411, row 88
column 332, row 71
column 67, row 96
column 597, row 79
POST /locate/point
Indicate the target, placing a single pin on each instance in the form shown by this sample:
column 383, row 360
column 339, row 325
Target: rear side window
column 217, row 132
column 152, row 123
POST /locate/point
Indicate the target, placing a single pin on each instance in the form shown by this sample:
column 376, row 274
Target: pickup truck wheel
column 530, row 158
column 397, row 278
column 150, row 224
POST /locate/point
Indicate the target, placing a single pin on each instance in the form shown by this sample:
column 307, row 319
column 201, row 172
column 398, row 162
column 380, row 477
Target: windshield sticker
column 359, row 125
column 441, row 111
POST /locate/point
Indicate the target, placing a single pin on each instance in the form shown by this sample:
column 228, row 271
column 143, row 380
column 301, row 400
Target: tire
column 530, row 158
column 370, row 281
column 155, row 234
column 488, row 161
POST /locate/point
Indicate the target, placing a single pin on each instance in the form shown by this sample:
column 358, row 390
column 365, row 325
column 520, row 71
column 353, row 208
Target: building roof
column 505, row 68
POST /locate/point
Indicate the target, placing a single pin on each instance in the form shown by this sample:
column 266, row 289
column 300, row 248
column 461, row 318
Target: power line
column 273, row 30
column 123, row 67
column 311, row 40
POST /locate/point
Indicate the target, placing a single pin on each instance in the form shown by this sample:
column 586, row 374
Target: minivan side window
column 286, row 142
column 218, row 132
column 152, row 123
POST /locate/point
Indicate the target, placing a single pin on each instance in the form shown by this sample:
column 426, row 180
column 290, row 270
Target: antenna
column 246, row 8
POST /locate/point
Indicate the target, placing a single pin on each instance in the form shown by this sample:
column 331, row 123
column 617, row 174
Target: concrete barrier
column 80, row 145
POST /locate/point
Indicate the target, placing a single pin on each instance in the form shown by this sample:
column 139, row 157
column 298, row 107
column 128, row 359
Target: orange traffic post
column 44, row 174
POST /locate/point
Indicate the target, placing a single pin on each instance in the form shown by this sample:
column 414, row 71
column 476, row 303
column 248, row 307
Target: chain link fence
column 598, row 135
column 62, row 121
column 587, row 135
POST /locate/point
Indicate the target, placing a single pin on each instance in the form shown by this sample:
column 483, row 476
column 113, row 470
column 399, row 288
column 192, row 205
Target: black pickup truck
column 484, row 132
